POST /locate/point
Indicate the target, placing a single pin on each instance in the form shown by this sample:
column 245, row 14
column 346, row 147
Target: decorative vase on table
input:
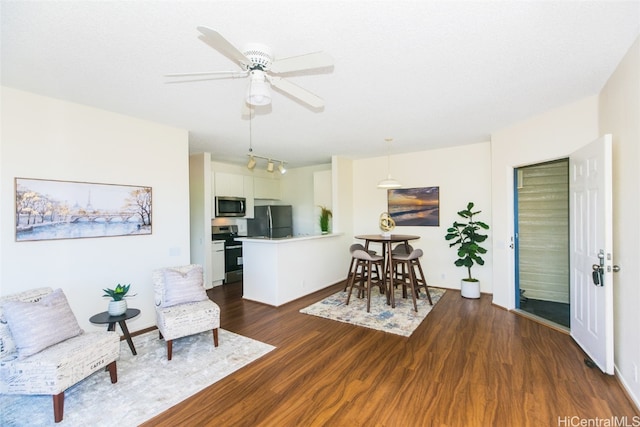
column 117, row 308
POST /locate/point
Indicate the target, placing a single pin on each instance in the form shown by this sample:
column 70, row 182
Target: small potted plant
column 466, row 238
column 325, row 214
column 117, row 305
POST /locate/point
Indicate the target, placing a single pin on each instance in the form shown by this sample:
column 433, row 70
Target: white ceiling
column 426, row 73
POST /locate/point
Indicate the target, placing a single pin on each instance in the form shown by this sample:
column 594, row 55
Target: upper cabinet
column 229, row 184
column 266, row 188
column 234, row 185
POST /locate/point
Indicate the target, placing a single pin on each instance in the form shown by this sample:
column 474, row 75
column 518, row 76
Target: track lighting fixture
column 271, row 163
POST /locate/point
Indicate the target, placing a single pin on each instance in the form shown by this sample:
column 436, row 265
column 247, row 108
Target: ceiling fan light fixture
column 258, row 92
column 270, row 166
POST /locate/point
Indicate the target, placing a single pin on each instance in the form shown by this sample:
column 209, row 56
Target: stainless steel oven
column 232, row 251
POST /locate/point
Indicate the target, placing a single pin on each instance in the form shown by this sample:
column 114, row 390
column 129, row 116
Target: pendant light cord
column 250, row 132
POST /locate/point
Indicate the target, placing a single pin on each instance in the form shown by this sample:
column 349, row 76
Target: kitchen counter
column 277, row 271
column 286, row 239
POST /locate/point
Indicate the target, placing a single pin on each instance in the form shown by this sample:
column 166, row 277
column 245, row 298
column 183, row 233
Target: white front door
column 591, row 245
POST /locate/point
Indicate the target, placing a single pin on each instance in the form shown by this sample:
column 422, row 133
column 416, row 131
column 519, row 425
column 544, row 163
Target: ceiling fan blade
column 219, row 43
column 302, row 62
column 221, row 74
column 296, row 91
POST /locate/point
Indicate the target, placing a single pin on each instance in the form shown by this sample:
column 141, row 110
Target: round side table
column 106, row 318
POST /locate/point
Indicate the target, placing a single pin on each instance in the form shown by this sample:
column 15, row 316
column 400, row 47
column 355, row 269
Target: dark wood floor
column 468, row 364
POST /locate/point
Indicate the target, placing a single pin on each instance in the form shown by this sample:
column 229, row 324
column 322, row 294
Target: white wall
column 200, row 202
column 620, row 116
column 463, row 175
column 548, row 136
column 51, row 139
column 342, row 189
column 298, row 190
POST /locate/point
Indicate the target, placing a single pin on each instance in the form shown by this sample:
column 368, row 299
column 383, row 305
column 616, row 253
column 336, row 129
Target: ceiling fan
column 256, row 62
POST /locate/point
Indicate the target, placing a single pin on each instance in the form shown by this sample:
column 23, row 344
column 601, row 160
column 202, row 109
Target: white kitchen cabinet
column 217, row 262
column 234, row 185
column 228, row 184
column 266, row 188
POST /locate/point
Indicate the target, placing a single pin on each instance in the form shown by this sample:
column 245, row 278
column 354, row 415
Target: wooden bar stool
column 401, row 272
column 415, row 278
column 365, row 262
column 352, row 270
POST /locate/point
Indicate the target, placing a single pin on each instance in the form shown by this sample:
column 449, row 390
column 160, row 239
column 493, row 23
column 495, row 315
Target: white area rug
column 401, row 320
column 148, row 383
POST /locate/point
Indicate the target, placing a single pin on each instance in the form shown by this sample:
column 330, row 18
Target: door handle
column 597, row 275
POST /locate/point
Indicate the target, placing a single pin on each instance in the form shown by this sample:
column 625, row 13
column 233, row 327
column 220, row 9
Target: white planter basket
column 117, row 308
column 470, row 289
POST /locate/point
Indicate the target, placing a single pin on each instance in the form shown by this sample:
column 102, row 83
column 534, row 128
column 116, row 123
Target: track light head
column 270, row 166
column 281, row 168
column 252, row 163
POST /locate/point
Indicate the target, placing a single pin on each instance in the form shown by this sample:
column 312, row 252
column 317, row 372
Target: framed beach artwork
column 49, row 210
column 415, row 206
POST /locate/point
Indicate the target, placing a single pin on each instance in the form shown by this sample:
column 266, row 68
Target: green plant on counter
column 118, row 293
column 325, row 214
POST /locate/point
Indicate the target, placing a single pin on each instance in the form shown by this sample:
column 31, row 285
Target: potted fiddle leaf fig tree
column 466, row 237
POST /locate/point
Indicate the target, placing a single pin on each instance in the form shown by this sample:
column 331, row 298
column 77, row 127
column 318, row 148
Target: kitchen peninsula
column 277, row 271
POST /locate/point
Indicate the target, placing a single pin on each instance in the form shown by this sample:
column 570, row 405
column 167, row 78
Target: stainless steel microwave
column 230, row 206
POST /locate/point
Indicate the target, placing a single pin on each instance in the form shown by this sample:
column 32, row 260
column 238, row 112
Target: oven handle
column 234, row 247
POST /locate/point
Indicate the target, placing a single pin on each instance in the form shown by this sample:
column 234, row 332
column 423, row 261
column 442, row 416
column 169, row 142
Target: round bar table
column 387, row 247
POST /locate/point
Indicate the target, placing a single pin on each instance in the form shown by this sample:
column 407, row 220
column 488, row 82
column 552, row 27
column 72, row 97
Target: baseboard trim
column 625, row 388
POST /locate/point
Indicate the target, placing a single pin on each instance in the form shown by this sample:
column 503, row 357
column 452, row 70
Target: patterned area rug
column 148, row 383
column 402, row 320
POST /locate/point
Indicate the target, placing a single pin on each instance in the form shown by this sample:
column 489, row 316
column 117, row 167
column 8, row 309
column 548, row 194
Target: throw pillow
column 38, row 325
column 181, row 287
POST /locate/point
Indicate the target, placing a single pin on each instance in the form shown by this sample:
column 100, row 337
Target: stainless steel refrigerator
column 273, row 222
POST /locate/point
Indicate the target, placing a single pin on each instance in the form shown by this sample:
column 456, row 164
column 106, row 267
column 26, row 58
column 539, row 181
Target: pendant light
column 389, row 182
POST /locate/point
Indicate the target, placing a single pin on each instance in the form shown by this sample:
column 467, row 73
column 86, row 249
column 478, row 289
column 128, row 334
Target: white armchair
column 182, row 305
column 44, row 351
